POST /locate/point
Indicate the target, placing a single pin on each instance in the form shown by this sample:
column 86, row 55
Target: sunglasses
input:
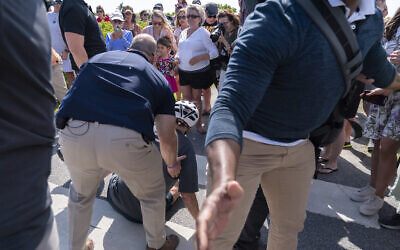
column 145, row 14
column 181, row 17
column 212, row 16
column 99, row 11
column 57, row 2
column 117, row 21
column 158, row 23
column 192, row 16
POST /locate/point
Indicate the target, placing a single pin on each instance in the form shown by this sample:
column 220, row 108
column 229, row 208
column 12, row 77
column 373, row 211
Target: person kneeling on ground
column 113, row 130
column 124, row 202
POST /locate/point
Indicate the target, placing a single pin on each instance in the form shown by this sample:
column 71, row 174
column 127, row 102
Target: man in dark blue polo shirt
column 283, row 81
column 111, row 110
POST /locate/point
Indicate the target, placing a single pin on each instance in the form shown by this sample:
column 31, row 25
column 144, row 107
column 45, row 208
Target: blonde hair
column 199, row 11
column 177, row 24
column 160, row 14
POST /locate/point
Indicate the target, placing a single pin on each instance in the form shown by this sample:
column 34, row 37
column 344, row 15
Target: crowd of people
column 126, row 103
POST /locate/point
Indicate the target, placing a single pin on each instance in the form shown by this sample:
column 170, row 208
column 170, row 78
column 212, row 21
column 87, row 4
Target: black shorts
column 199, row 79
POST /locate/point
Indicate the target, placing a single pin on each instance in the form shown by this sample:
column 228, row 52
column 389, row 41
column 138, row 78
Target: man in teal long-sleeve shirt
column 283, row 81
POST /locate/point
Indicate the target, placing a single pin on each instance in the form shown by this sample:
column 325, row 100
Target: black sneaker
column 390, row 222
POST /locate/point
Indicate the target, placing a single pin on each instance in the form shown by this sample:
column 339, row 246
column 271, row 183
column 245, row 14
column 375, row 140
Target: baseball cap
column 117, row 16
column 158, row 6
column 196, row 2
column 211, row 9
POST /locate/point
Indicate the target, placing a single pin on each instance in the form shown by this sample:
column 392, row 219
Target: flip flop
column 323, row 160
column 327, row 168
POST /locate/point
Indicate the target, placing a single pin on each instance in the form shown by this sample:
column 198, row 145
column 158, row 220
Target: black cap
column 211, row 9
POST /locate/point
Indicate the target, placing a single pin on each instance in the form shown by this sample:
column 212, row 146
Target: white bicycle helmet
column 187, row 112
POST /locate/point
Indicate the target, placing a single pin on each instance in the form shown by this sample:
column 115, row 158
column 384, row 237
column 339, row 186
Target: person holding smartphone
column 119, row 39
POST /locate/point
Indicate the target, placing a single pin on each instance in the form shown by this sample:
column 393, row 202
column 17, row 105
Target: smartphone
column 117, row 28
column 375, row 99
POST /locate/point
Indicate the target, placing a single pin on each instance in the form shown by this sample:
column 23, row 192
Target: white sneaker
column 370, row 145
column 371, row 206
column 363, row 194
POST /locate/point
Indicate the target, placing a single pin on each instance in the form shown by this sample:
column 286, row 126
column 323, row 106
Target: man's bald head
column 144, row 43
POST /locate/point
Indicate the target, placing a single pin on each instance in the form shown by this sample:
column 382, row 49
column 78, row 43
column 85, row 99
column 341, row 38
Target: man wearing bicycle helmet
column 124, row 202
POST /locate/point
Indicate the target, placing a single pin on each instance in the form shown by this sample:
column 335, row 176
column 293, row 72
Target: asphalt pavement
column 333, row 221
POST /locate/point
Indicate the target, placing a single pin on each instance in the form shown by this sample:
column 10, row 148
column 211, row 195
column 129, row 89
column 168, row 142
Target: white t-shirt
column 198, row 43
column 177, row 33
column 57, row 42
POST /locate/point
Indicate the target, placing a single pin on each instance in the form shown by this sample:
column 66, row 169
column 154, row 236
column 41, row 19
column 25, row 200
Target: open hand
column 215, row 213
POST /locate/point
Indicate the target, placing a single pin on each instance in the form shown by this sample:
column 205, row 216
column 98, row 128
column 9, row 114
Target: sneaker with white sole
column 371, row 206
column 370, row 145
column 390, row 222
column 362, row 194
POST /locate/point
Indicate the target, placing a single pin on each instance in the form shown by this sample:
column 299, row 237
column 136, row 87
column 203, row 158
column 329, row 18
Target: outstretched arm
column 223, row 156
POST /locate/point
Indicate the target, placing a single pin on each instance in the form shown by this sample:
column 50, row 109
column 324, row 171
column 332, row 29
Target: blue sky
column 138, row 5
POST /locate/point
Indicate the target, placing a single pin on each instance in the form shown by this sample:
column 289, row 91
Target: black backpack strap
column 333, row 23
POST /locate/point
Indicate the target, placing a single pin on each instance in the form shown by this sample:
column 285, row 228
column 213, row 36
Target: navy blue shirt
column 119, row 88
column 283, row 78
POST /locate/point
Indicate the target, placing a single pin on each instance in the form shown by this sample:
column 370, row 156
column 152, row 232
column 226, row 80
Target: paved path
column 333, row 221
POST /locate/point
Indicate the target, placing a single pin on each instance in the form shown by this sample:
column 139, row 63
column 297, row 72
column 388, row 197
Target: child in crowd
column 166, row 64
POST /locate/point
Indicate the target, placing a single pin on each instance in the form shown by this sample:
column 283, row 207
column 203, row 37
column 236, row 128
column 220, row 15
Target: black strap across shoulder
column 333, row 23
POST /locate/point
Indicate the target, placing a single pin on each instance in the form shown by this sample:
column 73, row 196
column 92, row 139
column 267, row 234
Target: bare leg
column 387, row 165
column 375, row 162
column 336, row 149
column 347, row 129
column 178, row 93
column 366, row 107
column 197, row 100
column 207, row 99
column 191, row 203
column 70, row 78
column 187, row 93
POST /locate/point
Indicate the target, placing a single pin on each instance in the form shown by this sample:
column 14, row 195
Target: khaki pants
column 89, row 148
column 285, row 174
column 58, row 82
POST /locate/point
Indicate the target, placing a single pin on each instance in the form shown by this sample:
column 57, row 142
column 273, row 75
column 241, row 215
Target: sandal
column 323, row 160
column 329, row 170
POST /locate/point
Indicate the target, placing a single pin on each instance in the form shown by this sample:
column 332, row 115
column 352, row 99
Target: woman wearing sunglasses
column 160, row 28
column 195, row 49
column 180, row 23
column 101, row 16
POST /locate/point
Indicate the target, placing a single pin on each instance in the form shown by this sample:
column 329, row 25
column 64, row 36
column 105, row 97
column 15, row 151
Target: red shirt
column 106, row 19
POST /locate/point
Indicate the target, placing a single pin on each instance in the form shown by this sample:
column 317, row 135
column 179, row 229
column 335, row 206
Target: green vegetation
column 226, row 7
column 105, row 28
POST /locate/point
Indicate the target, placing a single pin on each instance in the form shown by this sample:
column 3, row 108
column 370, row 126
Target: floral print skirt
column 384, row 121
